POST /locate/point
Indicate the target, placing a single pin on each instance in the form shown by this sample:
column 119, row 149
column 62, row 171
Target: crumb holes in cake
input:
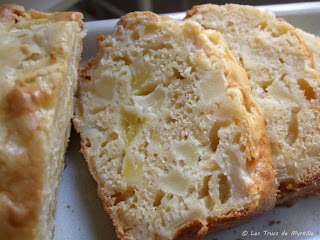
column 224, row 188
column 236, row 120
column 96, row 110
column 87, row 142
column 169, row 119
column 123, row 196
column 169, row 196
column 262, row 25
column 146, row 90
column 230, row 23
column 249, row 107
column 178, row 105
column 181, row 163
column 156, row 236
column 264, row 85
column 242, row 148
column 123, row 218
column 213, row 137
column 119, row 170
column 163, row 223
column 33, row 56
column 283, row 76
column 133, row 206
column 103, row 144
column 130, row 192
column 145, row 51
column 237, row 137
column 26, row 81
column 150, row 29
column 167, row 209
column 118, row 197
column 127, row 229
column 113, row 136
column 293, row 128
column 135, row 199
column 158, row 198
column 163, row 45
column 308, row 90
column 287, row 184
column 177, row 74
column 188, row 110
column 204, row 191
column 125, row 59
column 241, row 61
column 209, row 202
column 191, row 190
column 86, row 77
column 275, row 34
column 135, row 36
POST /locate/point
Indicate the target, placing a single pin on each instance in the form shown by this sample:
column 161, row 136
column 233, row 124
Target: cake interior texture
column 170, row 131
column 285, row 84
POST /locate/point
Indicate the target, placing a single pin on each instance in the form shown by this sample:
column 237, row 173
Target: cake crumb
column 272, row 223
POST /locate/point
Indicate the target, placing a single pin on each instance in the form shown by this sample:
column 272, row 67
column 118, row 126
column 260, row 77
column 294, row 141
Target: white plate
column 80, row 215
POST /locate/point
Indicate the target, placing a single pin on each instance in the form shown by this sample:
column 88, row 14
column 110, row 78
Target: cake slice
column 170, row 131
column 39, row 58
column 285, row 84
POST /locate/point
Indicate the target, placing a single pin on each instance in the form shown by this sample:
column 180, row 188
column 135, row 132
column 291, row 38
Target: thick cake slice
column 170, row 131
column 39, row 57
column 285, row 85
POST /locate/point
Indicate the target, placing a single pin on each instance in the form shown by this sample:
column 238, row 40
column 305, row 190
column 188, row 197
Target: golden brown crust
column 24, row 154
column 260, row 165
column 147, row 16
column 56, row 16
column 290, row 193
column 108, row 202
column 195, row 229
column 22, row 178
column 12, row 14
column 9, row 14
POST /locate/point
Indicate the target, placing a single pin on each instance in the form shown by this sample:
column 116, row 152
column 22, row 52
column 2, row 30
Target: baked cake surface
column 39, row 57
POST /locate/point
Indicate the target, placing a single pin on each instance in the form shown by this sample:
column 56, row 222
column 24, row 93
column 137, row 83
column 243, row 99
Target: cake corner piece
column 39, row 58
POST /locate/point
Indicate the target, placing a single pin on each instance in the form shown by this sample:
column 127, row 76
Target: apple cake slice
column 170, row 131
